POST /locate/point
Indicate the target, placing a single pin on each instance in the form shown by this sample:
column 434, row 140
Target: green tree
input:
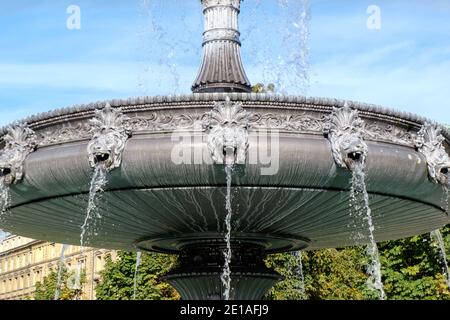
column 117, row 279
column 289, row 288
column 413, row 268
column 45, row 290
column 328, row 274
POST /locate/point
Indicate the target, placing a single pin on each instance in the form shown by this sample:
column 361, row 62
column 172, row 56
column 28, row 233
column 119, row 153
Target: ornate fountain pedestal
column 221, row 69
column 198, row 275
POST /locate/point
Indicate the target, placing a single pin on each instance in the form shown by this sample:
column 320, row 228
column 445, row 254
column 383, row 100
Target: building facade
column 24, row 262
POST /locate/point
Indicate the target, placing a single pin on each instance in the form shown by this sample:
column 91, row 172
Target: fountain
column 151, row 203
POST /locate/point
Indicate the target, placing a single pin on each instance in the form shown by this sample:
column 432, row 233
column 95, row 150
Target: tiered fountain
column 165, row 157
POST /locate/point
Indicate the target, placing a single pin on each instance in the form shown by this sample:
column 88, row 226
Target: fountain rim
column 269, row 187
column 85, row 110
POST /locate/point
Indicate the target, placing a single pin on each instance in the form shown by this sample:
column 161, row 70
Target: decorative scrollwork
column 389, row 133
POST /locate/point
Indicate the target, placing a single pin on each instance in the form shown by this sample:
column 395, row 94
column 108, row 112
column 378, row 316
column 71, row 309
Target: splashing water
column 226, row 274
column 98, row 182
column 299, row 272
column 136, row 272
column 436, row 236
column 289, row 69
column 361, row 214
column 163, row 45
column 60, row 269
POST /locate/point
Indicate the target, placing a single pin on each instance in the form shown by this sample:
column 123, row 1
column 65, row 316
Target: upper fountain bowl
column 288, row 191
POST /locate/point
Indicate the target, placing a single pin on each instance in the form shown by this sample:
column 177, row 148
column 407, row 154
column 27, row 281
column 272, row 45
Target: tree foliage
column 45, row 290
column 412, row 269
column 328, row 274
column 117, row 282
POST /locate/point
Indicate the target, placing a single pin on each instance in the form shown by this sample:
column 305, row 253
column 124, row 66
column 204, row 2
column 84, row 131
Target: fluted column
column 221, row 69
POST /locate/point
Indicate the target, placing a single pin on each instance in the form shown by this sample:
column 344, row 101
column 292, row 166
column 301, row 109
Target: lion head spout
column 345, row 130
column 227, row 129
column 430, row 143
column 20, row 141
column 109, row 135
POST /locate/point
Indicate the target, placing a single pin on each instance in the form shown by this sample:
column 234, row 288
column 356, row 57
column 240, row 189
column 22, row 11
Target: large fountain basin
column 155, row 204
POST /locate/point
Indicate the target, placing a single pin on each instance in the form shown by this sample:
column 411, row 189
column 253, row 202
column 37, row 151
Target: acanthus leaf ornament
column 20, row 141
column 227, row 127
column 110, row 132
column 345, row 130
column 430, row 143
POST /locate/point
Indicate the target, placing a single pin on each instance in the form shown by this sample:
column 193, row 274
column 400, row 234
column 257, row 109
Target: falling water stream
column 436, row 236
column 299, row 272
column 88, row 229
column 4, row 198
column 226, row 274
column 359, row 201
column 136, row 272
column 60, row 270
column 98, row 182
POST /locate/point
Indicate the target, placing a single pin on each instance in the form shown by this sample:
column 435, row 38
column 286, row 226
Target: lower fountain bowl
column 200, row 272
column 208, row 286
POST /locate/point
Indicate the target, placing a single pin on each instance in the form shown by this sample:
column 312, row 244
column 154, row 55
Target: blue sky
column 136, row 47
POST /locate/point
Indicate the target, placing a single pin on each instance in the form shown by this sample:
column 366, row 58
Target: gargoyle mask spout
column 227, row 129
column 20, row 141
column 430, row 143
column 109, row 135
column 345, row 130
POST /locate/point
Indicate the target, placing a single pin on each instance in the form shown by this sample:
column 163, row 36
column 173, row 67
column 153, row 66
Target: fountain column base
column 197, row 277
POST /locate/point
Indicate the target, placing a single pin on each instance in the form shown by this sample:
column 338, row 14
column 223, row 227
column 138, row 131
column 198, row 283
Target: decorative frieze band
column 301, row 122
